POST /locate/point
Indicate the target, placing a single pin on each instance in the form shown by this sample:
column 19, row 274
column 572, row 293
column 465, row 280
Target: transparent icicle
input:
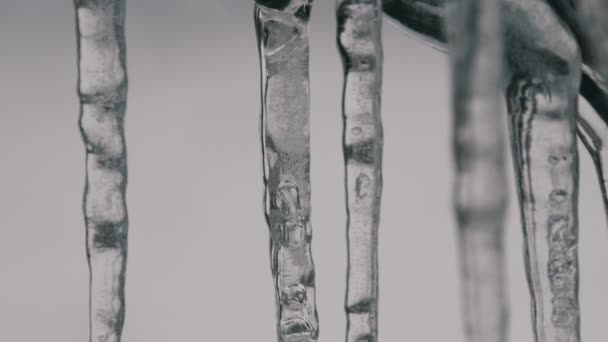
column 360, row 45
column 282, row 31
column 542, row 101
column 102, row 87
column 548, row 175
column 480, row 191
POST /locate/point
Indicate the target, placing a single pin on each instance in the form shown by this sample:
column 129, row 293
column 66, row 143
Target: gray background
column 198, row 262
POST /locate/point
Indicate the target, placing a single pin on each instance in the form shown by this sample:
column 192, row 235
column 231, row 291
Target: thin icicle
column 282, row 31
column 480, row 192
column 593, row 131
column 589, row 24
column 360, row 45
column 102, row 88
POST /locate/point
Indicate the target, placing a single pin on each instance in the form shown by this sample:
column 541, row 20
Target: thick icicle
column 282, row 31
column 359, row 42
column 542, row 101
column 102, row 87
column 480, row 191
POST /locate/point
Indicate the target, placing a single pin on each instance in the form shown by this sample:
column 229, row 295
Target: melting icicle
column 544, row 67
column 282, row 31
column 545, row 152
column 359, row 42
column 542, row 102
column 480, row 192
column 102, row 88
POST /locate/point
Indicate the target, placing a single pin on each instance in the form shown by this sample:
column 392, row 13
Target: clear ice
column 543, row 74
column 360, row 46
column 542, row 100
column 480, row 191
column 102, row 89
column 282, row 32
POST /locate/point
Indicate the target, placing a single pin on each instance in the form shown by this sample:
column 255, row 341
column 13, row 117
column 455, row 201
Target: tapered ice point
column 480, row 192
column 282, row 31
column 102, row 88
column 360, row 45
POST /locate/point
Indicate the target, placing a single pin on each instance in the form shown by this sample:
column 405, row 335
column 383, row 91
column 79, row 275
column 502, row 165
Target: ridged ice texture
column 480, row 191
column 549, row 171
column 102, row 87
column 542, row 101
column 282, row 31
column 360, row 45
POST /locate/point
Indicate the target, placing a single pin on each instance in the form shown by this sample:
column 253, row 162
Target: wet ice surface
column 542, row 98
column 546, row 152
column 359, row 42
column 282, row 29
column 102, row 89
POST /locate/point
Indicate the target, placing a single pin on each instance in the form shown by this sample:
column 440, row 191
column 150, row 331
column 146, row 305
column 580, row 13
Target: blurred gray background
column 198, row 260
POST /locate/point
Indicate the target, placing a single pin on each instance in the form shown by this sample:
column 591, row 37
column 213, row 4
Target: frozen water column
column 543, row 78
column 282, row 31
column 476, row 52
column 360, row 46
column 102, row 88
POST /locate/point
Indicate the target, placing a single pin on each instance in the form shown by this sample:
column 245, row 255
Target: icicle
column 480, row 191
column 360, row 45
column 102, row 87
column 593, row 131
column 282, row 31
column 542, row 101
column 545, row 150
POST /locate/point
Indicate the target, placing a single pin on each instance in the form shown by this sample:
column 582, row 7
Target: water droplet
column 357, row 130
